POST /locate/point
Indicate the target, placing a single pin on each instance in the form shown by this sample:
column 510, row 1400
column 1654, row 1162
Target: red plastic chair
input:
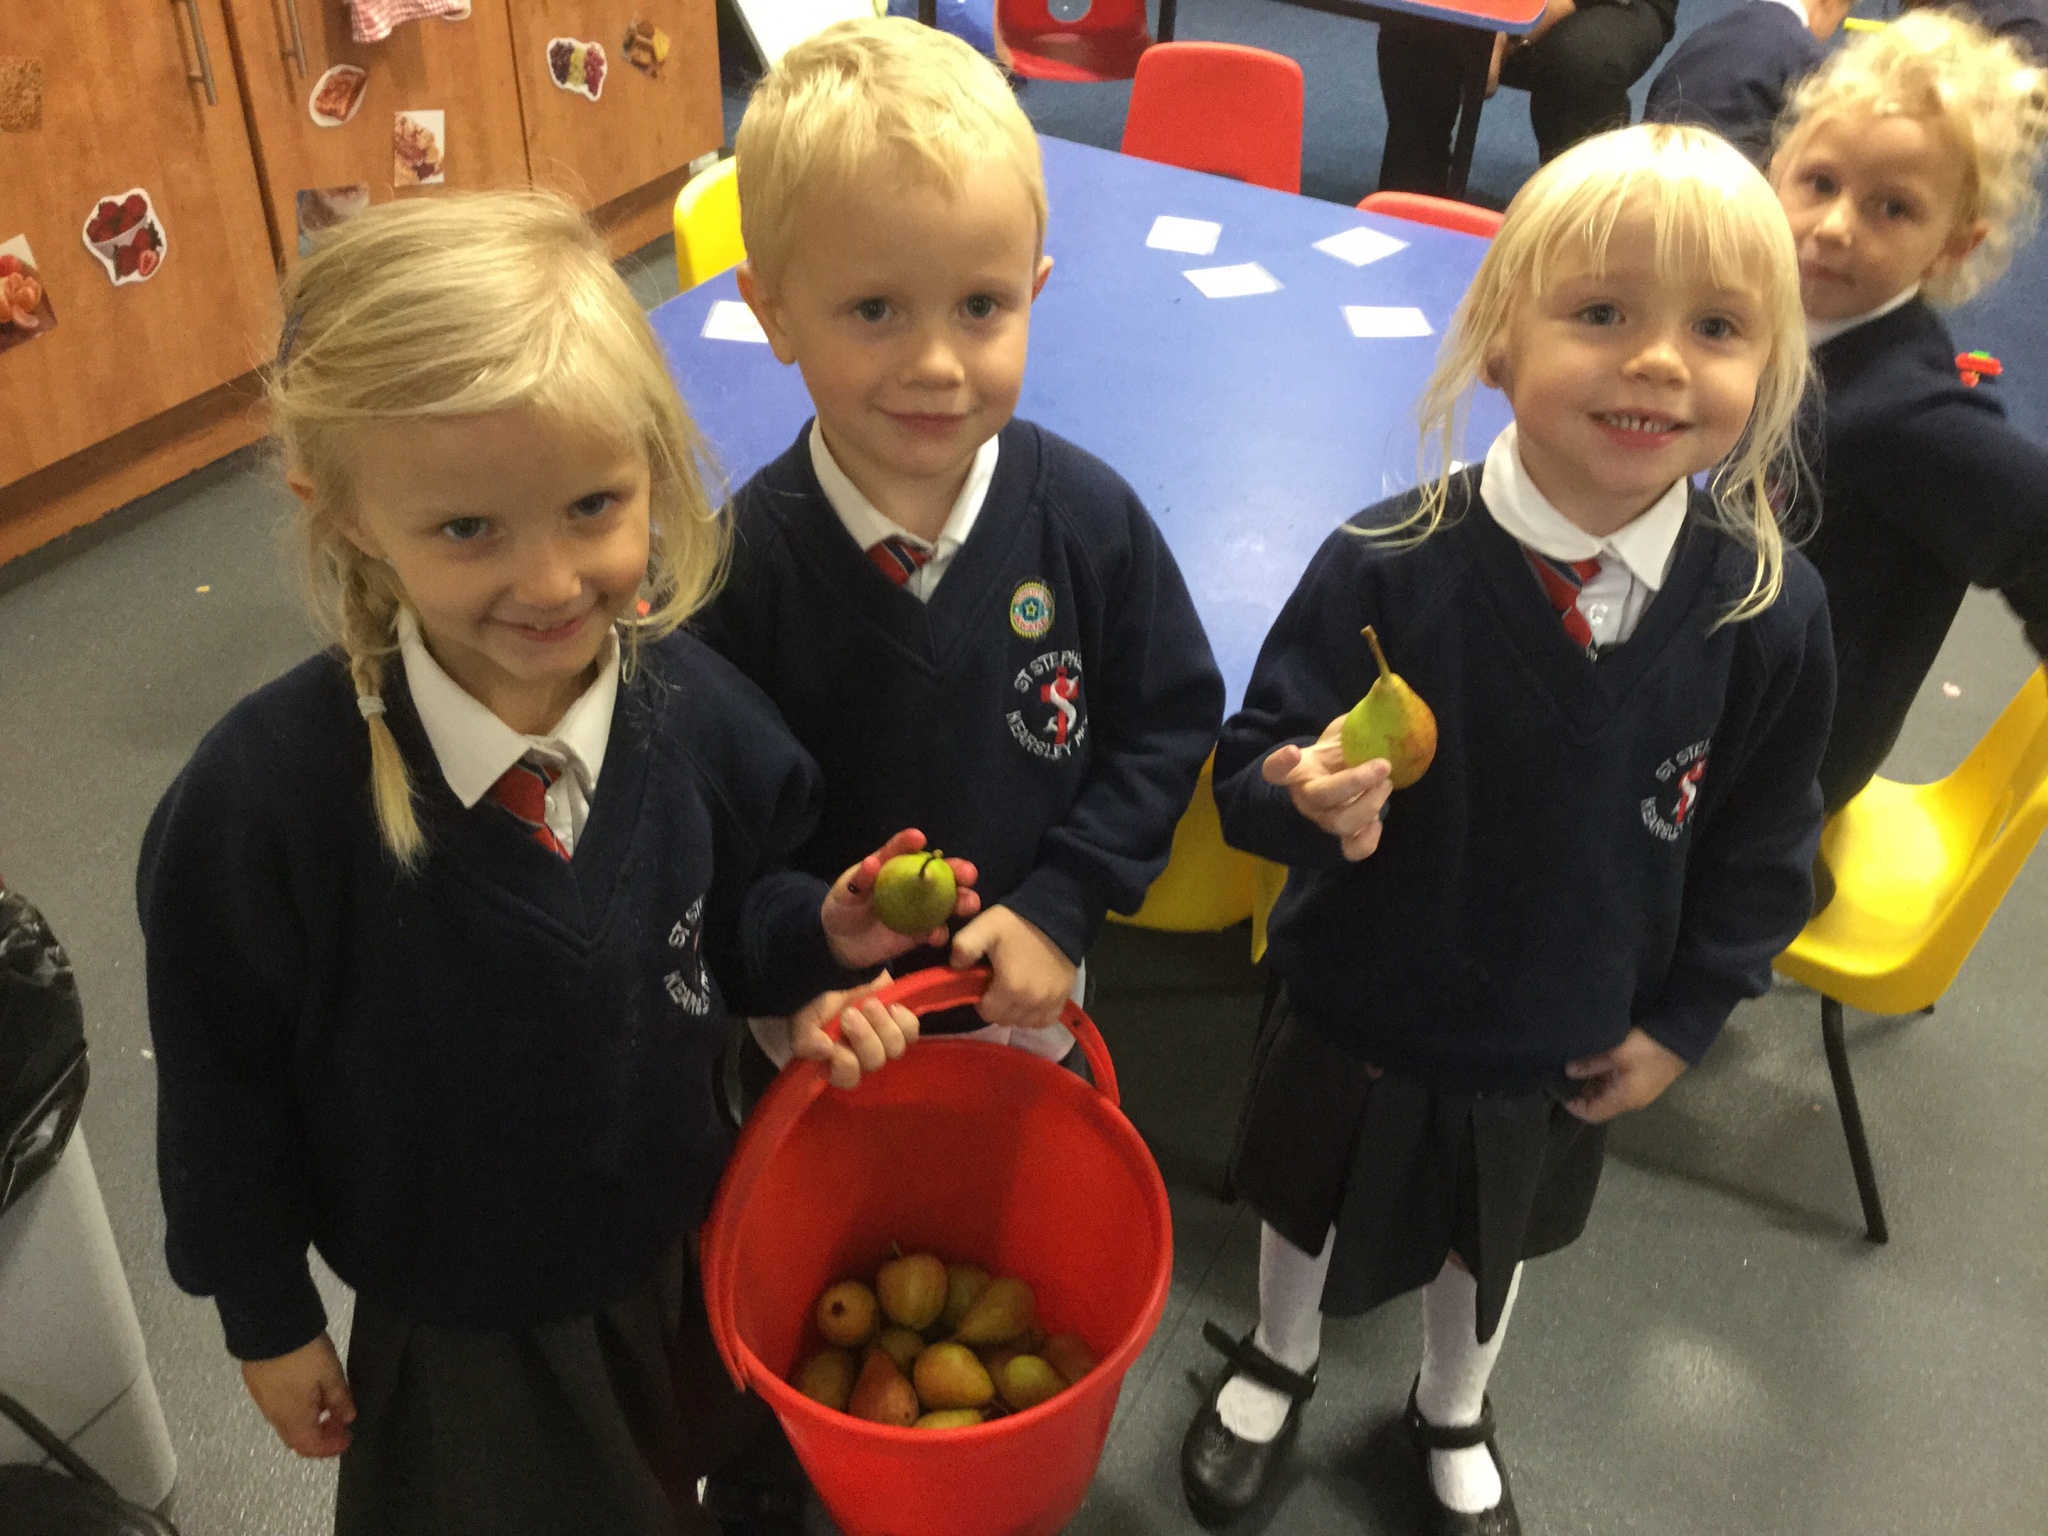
column 1082, row 40
column 1221, row 108
column 1420, row 208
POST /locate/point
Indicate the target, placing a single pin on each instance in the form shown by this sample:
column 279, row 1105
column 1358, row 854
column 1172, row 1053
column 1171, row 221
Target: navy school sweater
column 1926, row 490
column 483, row 1091
column 2024, row 23
column 1733, row 75
column 1598, row 845
column 1045, row 714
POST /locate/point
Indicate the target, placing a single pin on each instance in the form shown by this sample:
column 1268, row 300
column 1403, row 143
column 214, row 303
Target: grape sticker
column 577, row 66
column 124, row 233
column 25, row 311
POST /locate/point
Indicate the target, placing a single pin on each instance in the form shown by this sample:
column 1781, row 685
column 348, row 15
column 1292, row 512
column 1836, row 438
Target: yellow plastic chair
column 708, row 225
column 1919, row 869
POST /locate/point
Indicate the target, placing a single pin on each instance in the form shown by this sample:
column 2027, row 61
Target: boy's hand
column 1625, row 1078
column 305, row 1397
column 1033, row 977
column 871, row 1033
column 1344, row 802
column 857, row 937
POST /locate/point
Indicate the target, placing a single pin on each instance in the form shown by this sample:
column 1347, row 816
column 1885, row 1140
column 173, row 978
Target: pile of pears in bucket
column 932, row 1345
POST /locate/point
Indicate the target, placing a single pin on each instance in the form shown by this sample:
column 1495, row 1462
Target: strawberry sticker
column 125, row 235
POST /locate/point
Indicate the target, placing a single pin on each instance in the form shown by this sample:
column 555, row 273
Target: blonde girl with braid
column 443, row 925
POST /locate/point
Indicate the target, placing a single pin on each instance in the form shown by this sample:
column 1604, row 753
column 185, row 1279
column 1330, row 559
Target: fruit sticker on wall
column 336, row 95
column 419, row 149
column 124, row 232
column 646, row 47
column 321, row 208
column 577, row 66
column 25, row 311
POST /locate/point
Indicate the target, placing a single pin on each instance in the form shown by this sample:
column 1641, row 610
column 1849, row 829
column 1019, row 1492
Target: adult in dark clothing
column 1577, row 66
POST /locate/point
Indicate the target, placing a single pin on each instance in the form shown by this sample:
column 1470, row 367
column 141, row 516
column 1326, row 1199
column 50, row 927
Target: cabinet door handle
column 298, row 52
column 205, row 75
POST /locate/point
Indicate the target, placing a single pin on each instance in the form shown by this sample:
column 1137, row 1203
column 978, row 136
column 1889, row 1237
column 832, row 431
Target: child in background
column 441, row 925
column 1907, row 171
column 1733, row 74
column 972, row 625
column 1631, row 679
column 2023, row 23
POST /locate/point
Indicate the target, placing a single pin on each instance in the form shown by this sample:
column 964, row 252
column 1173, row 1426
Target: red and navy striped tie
column 898, row 558
column 1562, row 580
column 522, row 790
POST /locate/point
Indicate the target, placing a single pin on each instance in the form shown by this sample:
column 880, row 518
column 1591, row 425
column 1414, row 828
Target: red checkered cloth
column 371, row 21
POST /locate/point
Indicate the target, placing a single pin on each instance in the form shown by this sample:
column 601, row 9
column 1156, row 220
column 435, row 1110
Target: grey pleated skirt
column 596, row 1424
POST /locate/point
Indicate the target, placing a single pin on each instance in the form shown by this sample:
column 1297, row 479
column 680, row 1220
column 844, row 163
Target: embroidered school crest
column 689, row 987
column 1031, row 609
column 1666, row 812
column 1050, row 720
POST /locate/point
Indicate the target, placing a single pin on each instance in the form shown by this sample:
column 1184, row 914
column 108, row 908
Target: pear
column 915, row 892
column 846, row 1314
column 1392, row 722
column 1065, row 1353
column 949, row 1376
column 913, row 1290
column 900, row 1345
column 827, row 1377
column 964, row 1282
column 882, row 1396
column 950, row 1418
column 1028, row 1381
column 999, row 1314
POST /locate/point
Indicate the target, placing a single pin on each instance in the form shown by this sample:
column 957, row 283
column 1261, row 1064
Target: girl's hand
column 305, row 1397
column 871, row 1034
column 1344, row 802
column 1625, row 1078
column 1033, row 976
column 857, row 937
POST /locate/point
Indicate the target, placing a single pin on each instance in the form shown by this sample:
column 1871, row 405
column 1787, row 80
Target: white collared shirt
column 869, row 526
column 474, row 747
column 1633, row 559
column 1822, row 331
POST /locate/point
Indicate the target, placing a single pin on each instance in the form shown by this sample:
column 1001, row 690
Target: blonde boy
column 1907, row 171
column 973, row 625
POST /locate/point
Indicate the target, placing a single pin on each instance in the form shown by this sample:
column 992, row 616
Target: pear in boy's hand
column 827, row 1377
column 1003, row 1310
column 1392, row 722
column 912, row 1290
column 846, row 1314
column 882, row 1396
column 915, row 892
column 949, row 1376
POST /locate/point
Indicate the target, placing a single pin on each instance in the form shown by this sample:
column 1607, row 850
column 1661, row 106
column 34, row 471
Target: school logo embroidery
column 689, row 988
column 1050, row 720
column 1683, row 772
column 1031, row 609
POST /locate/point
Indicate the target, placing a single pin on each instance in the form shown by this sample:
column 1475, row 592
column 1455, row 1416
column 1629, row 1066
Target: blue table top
column 1249, row 426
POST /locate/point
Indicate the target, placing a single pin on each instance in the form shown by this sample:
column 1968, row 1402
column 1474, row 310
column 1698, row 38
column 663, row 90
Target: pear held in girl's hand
column 914, row 892
column 1392, row 722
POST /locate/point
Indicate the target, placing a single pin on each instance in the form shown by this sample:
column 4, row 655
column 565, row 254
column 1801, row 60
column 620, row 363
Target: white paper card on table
column 1360, row 246
column 1233, row 282
column 1191, row 237
column 1371, row 321
column 731, row 320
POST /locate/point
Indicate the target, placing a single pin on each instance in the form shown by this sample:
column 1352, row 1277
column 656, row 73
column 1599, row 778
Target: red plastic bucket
column 980, row 1153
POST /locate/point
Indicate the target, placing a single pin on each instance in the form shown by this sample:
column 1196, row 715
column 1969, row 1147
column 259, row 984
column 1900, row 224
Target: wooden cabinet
column 137, row 383
column 119, row 112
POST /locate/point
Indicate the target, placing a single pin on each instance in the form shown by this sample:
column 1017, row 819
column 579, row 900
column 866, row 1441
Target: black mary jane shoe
column 1501, row 1520
column 1222, row 1474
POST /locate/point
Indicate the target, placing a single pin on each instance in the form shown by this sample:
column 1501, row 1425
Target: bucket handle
column 928, row 991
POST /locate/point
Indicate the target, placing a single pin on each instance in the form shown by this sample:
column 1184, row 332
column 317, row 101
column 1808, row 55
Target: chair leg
column 1852, row 1120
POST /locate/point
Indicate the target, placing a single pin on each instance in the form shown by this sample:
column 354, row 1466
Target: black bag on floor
column 36, row 1501
column 42, row 1048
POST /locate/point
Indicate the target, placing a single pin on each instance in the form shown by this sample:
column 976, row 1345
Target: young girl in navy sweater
column 1907, row 171
column 442, row 924
column 1631, row 679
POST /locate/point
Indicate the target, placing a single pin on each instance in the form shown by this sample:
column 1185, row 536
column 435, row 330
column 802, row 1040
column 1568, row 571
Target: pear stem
column 1378, row 655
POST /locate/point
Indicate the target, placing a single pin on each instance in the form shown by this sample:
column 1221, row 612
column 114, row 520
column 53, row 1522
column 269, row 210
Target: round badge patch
column 1031, row 609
